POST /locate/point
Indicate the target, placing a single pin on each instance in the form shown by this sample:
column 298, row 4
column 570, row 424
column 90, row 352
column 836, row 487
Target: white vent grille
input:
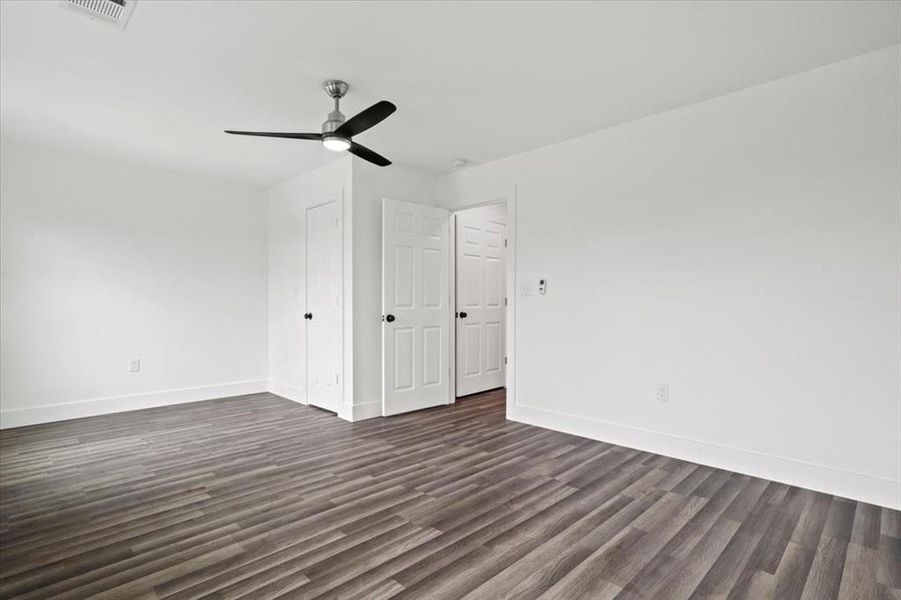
column 111, row 11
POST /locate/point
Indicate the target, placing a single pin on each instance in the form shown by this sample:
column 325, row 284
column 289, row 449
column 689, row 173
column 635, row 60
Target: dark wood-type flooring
column 258, row 497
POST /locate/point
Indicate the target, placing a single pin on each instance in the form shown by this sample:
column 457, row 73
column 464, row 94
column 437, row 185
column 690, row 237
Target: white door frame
column 510, row 315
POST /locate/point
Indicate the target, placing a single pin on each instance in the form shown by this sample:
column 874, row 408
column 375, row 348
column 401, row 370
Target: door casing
column 508, row 197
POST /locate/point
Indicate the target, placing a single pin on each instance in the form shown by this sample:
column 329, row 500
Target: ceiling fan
column 336, row 131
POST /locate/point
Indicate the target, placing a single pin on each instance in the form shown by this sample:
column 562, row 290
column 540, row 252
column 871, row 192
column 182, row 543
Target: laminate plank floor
column 259, row 497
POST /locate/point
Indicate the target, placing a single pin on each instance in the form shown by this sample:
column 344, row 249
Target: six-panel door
column 415, row 307
column 480, row 287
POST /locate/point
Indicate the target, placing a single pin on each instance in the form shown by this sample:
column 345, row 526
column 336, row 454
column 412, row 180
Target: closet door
column 323, row 306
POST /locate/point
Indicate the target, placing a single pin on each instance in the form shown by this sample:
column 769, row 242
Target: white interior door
column 480, row 310
column 415, row 306
column 323, row 316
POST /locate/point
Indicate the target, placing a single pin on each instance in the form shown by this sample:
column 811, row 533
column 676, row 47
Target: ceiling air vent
column 116, row 12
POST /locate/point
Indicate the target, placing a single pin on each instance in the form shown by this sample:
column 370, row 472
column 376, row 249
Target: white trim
column 287, row 391
column 49, row 413
column 857, row 486
column 360, row 412
column 512, row 267
column 347, row 298
column 452, row 302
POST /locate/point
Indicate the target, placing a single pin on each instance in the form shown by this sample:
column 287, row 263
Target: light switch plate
column 663, row 392
column 526, row 288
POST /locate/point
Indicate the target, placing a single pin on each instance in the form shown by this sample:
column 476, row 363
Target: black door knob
column 462, row 315
column 308, row 316
column 389, row 318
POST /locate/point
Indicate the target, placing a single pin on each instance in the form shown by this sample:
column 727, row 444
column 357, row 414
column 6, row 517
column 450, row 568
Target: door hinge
column 505, row 301
column 505, row 242
column 505, row 360
column 336, row 375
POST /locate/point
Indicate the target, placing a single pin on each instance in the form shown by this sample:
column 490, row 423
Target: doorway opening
column 425, row 317
column 479, row 291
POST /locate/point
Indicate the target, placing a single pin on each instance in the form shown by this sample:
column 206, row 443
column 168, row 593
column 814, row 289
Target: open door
column 481, row 286
column 415, row 306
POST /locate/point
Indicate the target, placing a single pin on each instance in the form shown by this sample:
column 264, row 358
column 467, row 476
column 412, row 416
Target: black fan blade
column 362, row 121
column 367, row 154
column 293, row 136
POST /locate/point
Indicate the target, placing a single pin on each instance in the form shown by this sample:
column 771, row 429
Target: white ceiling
column 474, row 80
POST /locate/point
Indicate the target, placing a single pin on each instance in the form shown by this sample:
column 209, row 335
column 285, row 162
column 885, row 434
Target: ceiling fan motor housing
column 335, row 120
column 336, row 89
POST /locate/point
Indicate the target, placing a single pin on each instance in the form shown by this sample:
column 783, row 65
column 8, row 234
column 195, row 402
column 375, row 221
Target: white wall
column 288, row 203
column 371, row 185
column 102, row 261
column 744, row 250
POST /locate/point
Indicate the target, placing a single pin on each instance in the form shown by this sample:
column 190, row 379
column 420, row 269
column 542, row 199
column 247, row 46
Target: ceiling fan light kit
column 335, row 143
column 337, row 132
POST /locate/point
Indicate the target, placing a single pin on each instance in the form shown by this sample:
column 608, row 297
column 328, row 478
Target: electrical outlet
column 526, row 288
column 134, row 365
column 663, row 392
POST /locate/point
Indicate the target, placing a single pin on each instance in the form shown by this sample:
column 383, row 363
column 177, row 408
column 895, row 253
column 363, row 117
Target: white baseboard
column 288, row 391
column 49, row 413
column 360, row 412
column 857, row 486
